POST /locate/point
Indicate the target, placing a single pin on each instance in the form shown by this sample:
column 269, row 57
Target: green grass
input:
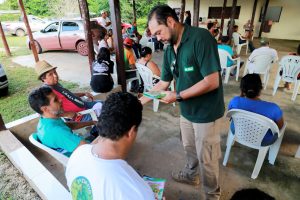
column 21, row 81
column 14, row 41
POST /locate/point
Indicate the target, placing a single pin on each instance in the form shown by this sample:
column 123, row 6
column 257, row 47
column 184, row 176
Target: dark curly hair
column 119, row 113
column 251, row 85
column 145, row 51
column 39, row 97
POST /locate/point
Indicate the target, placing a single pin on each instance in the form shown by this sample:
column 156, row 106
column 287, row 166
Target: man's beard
column 173, row 38
column 57, row 113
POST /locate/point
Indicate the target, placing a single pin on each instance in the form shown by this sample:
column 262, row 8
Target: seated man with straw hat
column 71, row 102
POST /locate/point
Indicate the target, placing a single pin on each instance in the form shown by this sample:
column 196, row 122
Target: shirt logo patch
column 189, row 69
column 81, row 189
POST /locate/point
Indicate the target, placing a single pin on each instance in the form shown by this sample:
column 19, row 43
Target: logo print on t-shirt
column 81, row 189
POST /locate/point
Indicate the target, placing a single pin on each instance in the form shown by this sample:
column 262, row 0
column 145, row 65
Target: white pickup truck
column 18, row 28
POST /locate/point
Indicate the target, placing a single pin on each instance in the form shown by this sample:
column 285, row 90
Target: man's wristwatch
column 178, row 97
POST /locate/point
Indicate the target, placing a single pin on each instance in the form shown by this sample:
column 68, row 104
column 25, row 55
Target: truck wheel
column 38, row 47
column 20, row 32
column 82, row 48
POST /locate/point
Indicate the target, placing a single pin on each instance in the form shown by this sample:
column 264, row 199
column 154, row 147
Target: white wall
column 288, row 26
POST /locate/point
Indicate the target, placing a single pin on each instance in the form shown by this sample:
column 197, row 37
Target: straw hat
column 42, row 67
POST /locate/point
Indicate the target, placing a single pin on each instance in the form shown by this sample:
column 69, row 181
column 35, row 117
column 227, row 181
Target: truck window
column 70, row 26
column 52, row 27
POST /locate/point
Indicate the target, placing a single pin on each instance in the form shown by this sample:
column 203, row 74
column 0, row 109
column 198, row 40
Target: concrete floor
column 158, row 149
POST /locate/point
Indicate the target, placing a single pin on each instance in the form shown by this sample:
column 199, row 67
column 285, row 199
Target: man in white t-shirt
column 263, row 50
column 104, row 21
column 100, row 171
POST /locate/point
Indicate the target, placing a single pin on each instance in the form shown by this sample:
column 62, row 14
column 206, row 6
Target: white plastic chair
column 147, row 77
column 236, row 43
column 290, row 67
column 250, row 129
column 33, row 138
column 114, row 75
column 224, row 56
column 260, row 64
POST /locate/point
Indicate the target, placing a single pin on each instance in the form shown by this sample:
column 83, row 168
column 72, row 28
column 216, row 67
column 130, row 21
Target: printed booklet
column 157, row 185
column 154, row 94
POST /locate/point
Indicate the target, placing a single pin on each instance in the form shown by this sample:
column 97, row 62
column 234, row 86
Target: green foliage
column 9, row 17
column 9, row 5
column 142, row 24
column 37, row 7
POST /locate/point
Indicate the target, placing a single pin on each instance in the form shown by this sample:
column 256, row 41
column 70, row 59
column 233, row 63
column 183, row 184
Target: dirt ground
column 158, row 151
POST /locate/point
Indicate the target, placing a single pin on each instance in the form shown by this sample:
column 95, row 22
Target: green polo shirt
column 197, row 57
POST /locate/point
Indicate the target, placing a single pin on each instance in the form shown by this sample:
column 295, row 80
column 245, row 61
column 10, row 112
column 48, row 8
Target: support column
column 232, row 17
column 263, row 17
column 7, row 51
column 196, row 13
column 84, row 10
column 222, row 17
column 25, row 19
column 182, row 11
column 134, row 10
column 118, row 41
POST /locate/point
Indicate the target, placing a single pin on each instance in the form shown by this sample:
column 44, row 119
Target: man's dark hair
column 161, row 13
column 251, row 85
column 250, row 194
column 225, row 39
column 298, row 50
column 103, row 54
column 235, row 26
column 39, row 97
column 119, row 113
column 145, row 51
column 210, row 25
column 43, row 76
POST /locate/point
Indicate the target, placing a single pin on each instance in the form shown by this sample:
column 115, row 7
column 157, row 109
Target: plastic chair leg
column 276, row 84
column 295, row 92
column 260, row 159
column 238, row 70
column 274, row 149
column 230, row 141
column 155, row 105
column 266, row 80
column 227, row 73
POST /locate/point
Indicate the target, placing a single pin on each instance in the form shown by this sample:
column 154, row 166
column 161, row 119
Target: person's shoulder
column 234, row 102
column 84, row 150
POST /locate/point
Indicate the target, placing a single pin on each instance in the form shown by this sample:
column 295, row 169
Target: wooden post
column 263, row 17
column 7, row 51
column 253, row 12
column 87, row 30
column 196, row 13
column 134, row 10
column 182, row 11
column 80, row 10
column 2, row 125
column 222, row 17
column 118, row 41
column 232, row 17
column 25, row 19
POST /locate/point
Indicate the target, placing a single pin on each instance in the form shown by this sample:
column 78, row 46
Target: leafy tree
column 37, row 7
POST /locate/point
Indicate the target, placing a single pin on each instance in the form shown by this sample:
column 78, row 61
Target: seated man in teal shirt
column 52, row 131
column 225, row 46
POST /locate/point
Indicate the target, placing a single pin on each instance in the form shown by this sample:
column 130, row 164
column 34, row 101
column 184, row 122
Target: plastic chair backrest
column 290, row 68
column 236, row 37
column 224, row 56
column 250, row 128
column 260, row 64
column 146, row 75
column 33, row 138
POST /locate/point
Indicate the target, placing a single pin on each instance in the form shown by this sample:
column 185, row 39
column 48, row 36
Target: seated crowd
column 101, row 165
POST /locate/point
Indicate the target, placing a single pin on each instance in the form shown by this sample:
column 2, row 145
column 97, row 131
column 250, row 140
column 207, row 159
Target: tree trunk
column 7, row 51
column 196, row 13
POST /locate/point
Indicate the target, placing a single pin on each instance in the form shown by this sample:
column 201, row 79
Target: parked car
column 19, row 29
column 61, row 35
column 3, row 82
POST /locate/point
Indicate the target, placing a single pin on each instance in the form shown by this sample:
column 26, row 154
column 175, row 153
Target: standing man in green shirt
column 192, row 60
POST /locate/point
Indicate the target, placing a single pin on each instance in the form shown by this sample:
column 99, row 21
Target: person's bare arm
column 209, row 83
column 280, row 123
column 78, row 125
column 154, row 68
column 160, row 86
